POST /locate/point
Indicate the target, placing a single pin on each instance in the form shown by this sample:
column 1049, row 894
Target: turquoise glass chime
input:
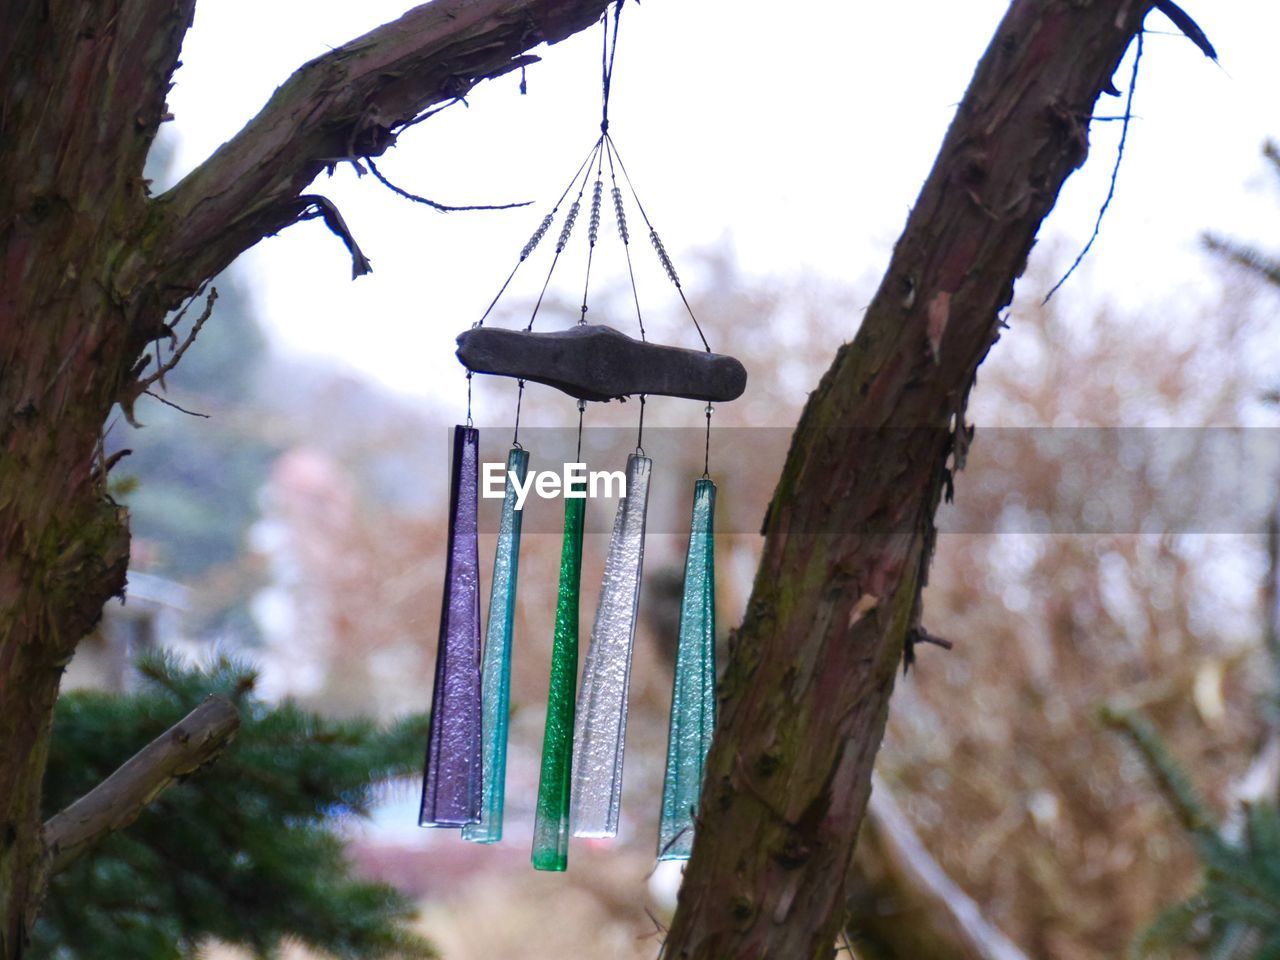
column 580, row 782
column 693, row 695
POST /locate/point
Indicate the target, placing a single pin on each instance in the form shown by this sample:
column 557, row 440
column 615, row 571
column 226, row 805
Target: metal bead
column 594, row 230
column 621, row 215
column 537, row 236
column 662, row 255
column 568, row 225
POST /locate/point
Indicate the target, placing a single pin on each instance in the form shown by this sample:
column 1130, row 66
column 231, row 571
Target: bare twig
column 443, row 207
column 174, row 357
column 116, row 802
column 1115, row 174
column 169, row 403
column 428, row 114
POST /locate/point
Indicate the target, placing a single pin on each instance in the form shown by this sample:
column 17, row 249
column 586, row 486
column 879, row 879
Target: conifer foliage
column 1235, row 915
column 244, row 852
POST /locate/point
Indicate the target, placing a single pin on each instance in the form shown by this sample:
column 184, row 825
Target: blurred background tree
column 1234, row 914
column 250, row 856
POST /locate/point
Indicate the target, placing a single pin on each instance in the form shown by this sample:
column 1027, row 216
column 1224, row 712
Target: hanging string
column 469, row 423
column 640, row 432
column 608, row 55
column 515, row 438
column 657, row 242
column 593, row 232
column 565, row 231
column 706, row 460
column 538, row 234
column 620, row 214
column 582, row 409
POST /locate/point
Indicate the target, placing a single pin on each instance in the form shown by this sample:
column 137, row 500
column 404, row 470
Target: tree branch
column 850, row 532
column 909, row 904
column 349, row 103
column 116, row 802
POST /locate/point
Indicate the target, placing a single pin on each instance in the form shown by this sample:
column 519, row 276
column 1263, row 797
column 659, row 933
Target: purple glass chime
column 451, row 790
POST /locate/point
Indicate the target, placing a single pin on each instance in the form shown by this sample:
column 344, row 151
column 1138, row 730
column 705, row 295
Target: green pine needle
column 243, row 852
column 1236, row 914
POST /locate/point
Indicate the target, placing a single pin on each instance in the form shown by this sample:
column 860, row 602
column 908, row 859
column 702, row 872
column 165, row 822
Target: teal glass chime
column 580, row 783
column 495, row 674
column 693, row 694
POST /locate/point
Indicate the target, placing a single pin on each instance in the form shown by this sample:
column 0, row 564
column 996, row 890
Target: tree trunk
column 90, row 266
column 850, row 532
column 83, row 90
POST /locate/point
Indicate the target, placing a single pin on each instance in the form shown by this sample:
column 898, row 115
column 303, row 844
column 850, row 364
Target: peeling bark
column 850, row 532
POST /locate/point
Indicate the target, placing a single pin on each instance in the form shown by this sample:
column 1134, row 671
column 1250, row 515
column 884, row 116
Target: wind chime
column 580, row 785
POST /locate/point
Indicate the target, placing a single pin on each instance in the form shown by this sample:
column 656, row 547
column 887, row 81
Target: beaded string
column 663, row 257
column 538, row 234
column 593, row 233
column 566, row 230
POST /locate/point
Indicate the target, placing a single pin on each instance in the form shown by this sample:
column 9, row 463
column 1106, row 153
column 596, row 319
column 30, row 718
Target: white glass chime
column 580, row 786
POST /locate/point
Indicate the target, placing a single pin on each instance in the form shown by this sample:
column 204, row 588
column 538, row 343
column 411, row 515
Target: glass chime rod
column 601, row 722
column 551, row 819
column 451, row 791
column 496, row 666
column 693, row 696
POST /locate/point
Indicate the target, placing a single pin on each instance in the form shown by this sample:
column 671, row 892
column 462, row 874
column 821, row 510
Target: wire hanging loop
column 582, row 409
column 470, row 423
column 640, row 431
column 515, row 437
column 706, row 459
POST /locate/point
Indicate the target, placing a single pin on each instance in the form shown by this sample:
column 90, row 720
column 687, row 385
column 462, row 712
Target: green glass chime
column 551, row 820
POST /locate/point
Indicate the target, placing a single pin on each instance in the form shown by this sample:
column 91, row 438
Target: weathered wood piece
column 594, row 362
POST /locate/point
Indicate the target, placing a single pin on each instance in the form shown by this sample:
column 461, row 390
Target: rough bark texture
column 90, row 265
column 850, row 531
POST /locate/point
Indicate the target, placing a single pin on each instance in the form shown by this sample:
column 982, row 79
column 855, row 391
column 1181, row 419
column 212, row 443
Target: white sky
column 798, row 132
